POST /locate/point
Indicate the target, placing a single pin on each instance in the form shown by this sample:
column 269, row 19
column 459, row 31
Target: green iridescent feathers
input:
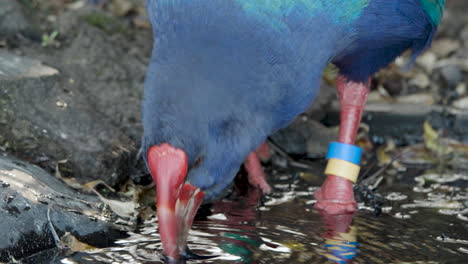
column 434, row 8
column 341, row 11
column 274, row 11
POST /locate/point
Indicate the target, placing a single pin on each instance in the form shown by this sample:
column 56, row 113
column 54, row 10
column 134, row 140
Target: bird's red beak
column 177, row 201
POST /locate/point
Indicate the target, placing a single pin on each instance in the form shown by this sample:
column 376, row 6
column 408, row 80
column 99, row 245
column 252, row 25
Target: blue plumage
column 385, row 30
column 224, row 75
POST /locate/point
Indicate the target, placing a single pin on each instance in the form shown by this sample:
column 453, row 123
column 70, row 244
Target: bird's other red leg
column 254, row 168
column 336, row 195
column 263, row 152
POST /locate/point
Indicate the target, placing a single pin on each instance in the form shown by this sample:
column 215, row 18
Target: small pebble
column 420, row 80
column 443, row 47
column 461, row 89
column 461, row 103
column 452, row 74
column 427, row 61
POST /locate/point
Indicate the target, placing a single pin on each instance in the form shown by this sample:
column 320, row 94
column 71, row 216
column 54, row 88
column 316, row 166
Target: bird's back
column 384, row 30
column 266, row 56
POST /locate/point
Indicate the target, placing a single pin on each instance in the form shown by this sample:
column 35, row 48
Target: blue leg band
column 342, row 151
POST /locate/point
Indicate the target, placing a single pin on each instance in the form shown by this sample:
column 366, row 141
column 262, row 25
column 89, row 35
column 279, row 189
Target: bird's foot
column 336, row 196
column 256, row 175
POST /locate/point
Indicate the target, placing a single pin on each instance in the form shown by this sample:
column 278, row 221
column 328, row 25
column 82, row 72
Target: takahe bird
column 224, row 75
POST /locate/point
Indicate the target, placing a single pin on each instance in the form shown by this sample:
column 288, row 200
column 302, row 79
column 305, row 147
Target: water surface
column 422, row 220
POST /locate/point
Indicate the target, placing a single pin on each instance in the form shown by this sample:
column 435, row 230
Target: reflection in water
column 242, row 212
column 340, row 237
column 285, row 229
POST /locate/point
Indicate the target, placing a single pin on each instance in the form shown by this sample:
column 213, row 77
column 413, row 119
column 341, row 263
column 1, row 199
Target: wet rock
column 14, row 21
column 44, row 118
column 26, row 194
column 305, row 137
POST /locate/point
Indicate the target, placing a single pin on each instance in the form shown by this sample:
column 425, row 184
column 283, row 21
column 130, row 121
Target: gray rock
column 322, row 102
column 305, row 137
column 112, row 69
column 13, row 67
column 26, row 194
column 43, row 118
column 108, row 69
column 14, row 21
column 452, row 75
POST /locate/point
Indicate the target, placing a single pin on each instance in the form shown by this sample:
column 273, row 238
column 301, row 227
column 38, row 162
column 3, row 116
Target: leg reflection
column 340, row 237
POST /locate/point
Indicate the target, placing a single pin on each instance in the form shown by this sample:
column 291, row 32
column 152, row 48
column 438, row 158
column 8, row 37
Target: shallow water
column 422, row 222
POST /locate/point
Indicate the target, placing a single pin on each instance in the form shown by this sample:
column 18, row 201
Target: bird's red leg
column 263, row 152
column 254, row 168
column 336, row 194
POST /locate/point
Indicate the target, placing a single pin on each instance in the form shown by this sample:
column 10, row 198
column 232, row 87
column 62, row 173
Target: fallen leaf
column 433, row 142
column 72, row 182
column 294, row 245
column 125, row 209
column 74, row 244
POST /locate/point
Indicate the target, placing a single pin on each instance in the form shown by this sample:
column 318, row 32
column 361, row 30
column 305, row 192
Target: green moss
column 106, row 23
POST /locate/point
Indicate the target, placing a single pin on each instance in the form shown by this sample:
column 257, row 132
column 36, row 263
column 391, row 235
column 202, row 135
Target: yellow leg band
column 342, row 168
